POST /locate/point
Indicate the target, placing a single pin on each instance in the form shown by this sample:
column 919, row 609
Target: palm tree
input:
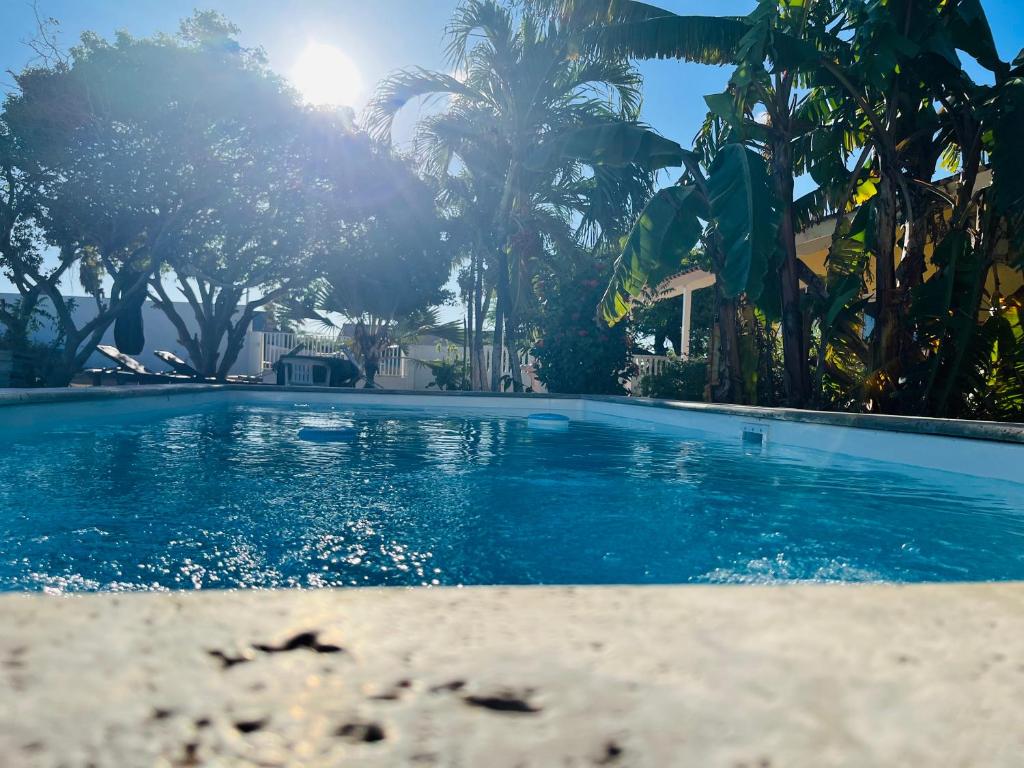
column 519, row 83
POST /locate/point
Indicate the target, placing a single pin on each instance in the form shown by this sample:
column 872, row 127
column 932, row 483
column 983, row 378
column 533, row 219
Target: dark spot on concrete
column 228, row 661
column 451, row 685
column 248, row 726
column 361, row 732
column 191, row 757
column 203, row 722
column 395, row 692
column 504, row 701
column 32, row 746
column 610, row 756
column 302, row 640
column 162, row 714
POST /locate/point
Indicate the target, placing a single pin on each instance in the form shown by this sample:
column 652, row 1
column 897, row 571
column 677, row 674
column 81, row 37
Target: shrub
column 678, row 380
column 576, row 353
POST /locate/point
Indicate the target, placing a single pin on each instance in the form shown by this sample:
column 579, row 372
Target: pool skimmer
column 552, row 422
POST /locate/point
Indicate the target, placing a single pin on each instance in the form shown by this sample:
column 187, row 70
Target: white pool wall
column 901, row 441
column 980, row 458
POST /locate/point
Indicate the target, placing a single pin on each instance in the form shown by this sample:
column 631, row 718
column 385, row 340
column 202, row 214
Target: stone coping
column 1009, row 432
column 717, row 677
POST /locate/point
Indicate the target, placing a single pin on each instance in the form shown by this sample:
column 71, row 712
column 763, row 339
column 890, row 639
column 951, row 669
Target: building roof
column 692, row 279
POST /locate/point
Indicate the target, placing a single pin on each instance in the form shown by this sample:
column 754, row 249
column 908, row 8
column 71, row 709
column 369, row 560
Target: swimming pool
column 225, row 493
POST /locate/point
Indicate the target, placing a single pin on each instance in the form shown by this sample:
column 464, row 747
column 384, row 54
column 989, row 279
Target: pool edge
column 1006, row 432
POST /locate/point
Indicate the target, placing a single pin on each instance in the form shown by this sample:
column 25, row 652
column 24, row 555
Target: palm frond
column 399, row 88
column 703, row 39
column 484, row 17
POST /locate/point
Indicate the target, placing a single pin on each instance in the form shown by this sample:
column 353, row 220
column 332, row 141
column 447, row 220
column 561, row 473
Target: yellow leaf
column 865, row 191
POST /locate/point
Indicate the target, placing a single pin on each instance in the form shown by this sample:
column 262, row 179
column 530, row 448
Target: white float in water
column 554, row 422
column 326, row 434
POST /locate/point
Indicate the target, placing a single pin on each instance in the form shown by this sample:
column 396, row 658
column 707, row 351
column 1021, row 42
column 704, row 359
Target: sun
column 325, row 76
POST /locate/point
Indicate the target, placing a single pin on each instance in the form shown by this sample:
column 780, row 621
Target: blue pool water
column 232, row 497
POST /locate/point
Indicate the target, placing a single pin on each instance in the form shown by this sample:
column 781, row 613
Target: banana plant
column 773, row 49
column 731, row 211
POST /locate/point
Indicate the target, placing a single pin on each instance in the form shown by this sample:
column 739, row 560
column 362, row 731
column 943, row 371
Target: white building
column 399, row 370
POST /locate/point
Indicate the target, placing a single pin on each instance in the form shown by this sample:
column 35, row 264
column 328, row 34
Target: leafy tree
column 387, row 270
column 576, row 353
column 271, row 231
column 120, row 151
column 254, row 239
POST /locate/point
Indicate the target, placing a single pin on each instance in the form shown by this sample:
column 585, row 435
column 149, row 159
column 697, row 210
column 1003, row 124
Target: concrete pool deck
column 759, row 677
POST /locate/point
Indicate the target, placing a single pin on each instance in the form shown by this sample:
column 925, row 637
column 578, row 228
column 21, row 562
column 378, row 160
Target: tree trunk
column 497, row 343
column 497, row 346
column 729, row 387
column 512, row 344
column 61, row 373
column 480, row 306
column 885, row 335
column 796, row 367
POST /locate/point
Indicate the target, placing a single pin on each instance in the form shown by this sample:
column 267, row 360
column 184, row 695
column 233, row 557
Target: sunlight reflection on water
column 231, row 497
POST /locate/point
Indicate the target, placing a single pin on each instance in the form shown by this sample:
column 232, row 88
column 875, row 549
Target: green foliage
column 132, row 169
column 449, row 375
column 662, row 238
column 613, row 144
column 745, row 214
column 523, row 108
column 867, row 105
column 395, row 261
column 678, row 380
column 1006, row 156
column 577, row 353
column 702, row 39
column 662, row 320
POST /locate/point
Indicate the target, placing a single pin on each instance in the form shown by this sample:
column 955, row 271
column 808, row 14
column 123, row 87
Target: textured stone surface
column 929, row 675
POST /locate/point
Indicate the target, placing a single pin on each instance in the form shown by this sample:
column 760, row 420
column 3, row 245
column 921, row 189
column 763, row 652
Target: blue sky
column 382, row 35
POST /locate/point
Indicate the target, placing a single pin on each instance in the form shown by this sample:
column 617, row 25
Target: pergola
column 683, row 284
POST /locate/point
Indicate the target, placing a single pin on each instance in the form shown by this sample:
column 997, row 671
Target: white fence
column 404, row 370
column 527, row 367
column 273, row 345
column 646, row 365
column 649, row 365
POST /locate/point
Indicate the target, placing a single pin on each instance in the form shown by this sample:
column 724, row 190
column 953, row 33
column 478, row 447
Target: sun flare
column 324, row 75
